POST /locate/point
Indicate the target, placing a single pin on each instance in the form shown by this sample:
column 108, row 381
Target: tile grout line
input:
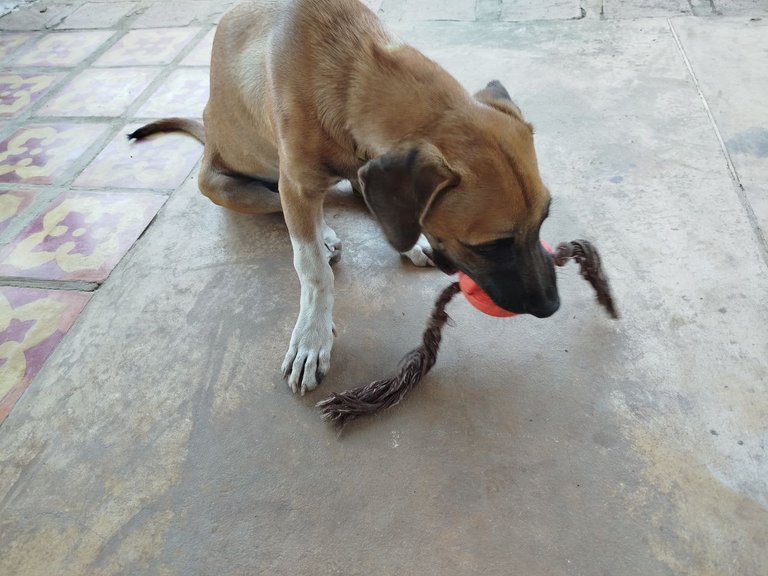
column 113, row 126
column 43, row 284
column 740, row 192
column 113, row 123
column 69, row 73
column 166, row 70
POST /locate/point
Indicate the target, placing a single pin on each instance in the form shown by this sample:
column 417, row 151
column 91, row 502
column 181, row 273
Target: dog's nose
column 545, row 309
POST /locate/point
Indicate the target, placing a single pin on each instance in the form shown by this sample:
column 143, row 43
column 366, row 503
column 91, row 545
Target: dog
column 307, row 93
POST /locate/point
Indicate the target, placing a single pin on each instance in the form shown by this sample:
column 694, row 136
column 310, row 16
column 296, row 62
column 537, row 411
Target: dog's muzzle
column 524, row 283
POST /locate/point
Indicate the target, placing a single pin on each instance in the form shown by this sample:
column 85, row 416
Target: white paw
column 421, row 253
column 309, row 354
column 332, row 244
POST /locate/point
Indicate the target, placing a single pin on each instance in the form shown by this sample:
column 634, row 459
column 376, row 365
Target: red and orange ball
column 480, row 300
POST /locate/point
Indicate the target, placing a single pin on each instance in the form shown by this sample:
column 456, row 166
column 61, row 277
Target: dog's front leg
column 309, row 353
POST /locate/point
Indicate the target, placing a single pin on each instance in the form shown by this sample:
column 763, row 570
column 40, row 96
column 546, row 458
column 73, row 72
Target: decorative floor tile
column 19, row 91
column 147, row 47
column 184, row 93
column 100, row 92
column 39, row 153
column 32, row 323
column 81, row 236
column 200, row 55
column 12, row 41
column 63, row 48
column 160, row 162
column 12, row 203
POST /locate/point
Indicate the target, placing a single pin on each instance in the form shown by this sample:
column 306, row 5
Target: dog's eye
column 492, row 248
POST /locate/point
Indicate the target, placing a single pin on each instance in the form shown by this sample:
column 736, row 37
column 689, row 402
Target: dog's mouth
column 443, row 263
column 510, row 289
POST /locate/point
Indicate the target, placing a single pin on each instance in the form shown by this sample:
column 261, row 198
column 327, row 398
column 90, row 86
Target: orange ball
column 480, row 300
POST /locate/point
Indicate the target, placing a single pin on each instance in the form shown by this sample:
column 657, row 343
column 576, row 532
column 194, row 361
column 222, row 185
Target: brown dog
column 306, row 93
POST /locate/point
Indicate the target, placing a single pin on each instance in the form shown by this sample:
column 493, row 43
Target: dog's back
column 237, row 115
column 246, row 75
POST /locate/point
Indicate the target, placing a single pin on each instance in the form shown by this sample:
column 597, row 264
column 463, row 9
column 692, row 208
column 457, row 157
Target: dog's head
column 473, row 189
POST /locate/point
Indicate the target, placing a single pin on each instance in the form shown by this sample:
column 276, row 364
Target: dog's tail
column 191, row 127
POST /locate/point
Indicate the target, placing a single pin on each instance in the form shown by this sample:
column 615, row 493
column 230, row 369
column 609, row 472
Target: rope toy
column 343, row 407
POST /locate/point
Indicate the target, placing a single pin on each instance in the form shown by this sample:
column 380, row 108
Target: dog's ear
column 401, row 186
column 496, row 96
column 493, row 91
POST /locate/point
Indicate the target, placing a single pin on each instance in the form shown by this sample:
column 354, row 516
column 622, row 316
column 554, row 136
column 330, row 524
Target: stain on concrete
column 752, row 142
column 725, row 531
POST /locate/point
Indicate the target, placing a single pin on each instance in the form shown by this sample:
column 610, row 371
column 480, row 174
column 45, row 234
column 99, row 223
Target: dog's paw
column 421, row 253
column 309, row 354
column 332, row 244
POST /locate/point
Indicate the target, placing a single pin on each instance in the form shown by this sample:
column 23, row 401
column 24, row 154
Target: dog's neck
column 396, row 96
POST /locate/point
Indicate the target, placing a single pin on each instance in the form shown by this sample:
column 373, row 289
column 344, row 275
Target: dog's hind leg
column 237, row 191
column 229, row 189
column 253, row 196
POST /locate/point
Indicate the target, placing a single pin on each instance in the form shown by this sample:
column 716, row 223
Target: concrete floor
column 159, row 437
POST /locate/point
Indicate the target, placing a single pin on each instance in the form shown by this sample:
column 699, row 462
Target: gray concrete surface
column 7, row 5
column 160, row 439
column 736, row 100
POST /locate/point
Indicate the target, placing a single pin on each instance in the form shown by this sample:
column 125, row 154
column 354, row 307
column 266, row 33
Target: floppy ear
column 496, row 96
column 400, row 187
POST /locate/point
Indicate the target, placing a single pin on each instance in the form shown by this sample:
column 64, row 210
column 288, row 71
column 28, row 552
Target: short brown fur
column 310, row 92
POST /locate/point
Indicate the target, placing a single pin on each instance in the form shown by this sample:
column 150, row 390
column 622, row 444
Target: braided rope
column 342, row 407
column 590, row 267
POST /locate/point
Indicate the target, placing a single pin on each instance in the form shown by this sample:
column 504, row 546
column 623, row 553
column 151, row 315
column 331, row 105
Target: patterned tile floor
column 161, row 162
column 40, row 153
column 32, row 323
column 100, row 92
column 80, row 236
column 184, row 93
column 148, row 47
column 75, row 194
column 10, row 42
column 19, row 90
column 12, row 204
column 200, row 55
column 62, row 49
